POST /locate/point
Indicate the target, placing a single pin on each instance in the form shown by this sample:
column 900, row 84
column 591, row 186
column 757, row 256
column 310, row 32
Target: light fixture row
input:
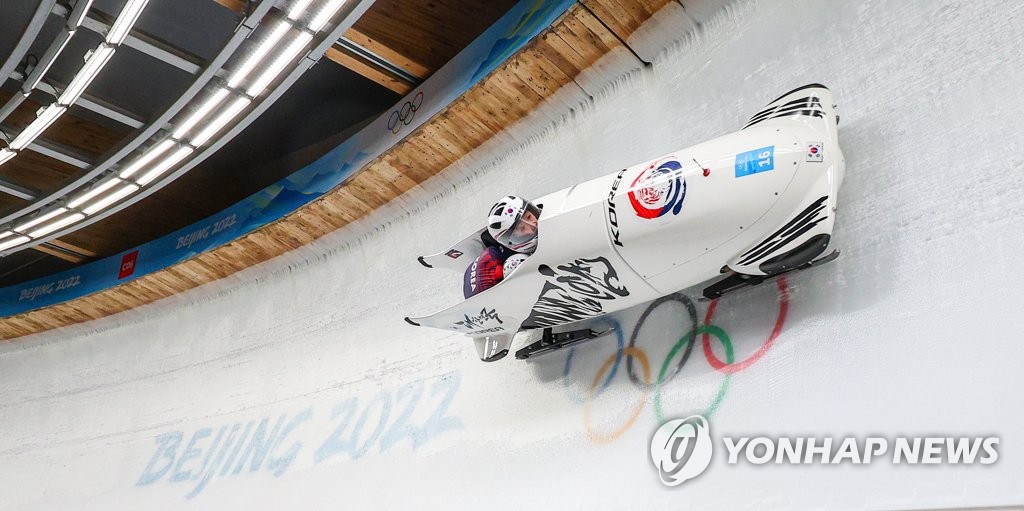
column 75, row 19
column 218, row 109
column 95, row 60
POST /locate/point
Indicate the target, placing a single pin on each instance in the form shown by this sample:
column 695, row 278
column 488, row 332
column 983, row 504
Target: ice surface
column 914, row 331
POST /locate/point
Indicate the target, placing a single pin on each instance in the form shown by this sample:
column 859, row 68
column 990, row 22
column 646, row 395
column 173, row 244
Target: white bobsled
column 750, row 205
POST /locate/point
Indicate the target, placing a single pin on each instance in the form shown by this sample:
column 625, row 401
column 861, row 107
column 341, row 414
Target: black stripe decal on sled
column 775, row 246
column 767, row 248
column 798, row 89
column 809, row 113
column 798, row 219
column 806, row 102
column 813, row 213
column 780, row 113
column 803, row 104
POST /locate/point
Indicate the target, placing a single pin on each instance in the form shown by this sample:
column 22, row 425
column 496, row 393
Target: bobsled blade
column 553, row 342
column 738, row 281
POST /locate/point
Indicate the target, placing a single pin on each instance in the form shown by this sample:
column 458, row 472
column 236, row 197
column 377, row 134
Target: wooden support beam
column 66, row 251
column 360, row 65
column 238, row 6
column 356, row 63
column 389, row 54
column 67, row 256
column 73, row 248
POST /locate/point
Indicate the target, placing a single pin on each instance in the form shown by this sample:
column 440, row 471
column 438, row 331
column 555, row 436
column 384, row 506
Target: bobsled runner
column 742, row 208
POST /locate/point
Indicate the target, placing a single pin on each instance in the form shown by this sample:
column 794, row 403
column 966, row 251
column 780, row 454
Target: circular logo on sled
column 658, row 190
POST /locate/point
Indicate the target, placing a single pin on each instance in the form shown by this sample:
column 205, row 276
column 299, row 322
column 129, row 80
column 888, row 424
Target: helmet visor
column 523, row 229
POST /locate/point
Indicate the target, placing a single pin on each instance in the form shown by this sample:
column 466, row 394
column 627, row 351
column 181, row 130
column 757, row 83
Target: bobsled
column 731, row 212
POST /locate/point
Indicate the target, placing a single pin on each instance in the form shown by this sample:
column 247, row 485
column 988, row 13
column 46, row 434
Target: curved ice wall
column 297, row 385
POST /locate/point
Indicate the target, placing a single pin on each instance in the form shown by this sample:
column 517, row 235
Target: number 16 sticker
column 758, row 160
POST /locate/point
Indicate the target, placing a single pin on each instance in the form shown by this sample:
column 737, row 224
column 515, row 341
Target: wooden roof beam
column 414, row 71
column 410, row 66
column 368, row 69
column 238, row 6
column 65, row 251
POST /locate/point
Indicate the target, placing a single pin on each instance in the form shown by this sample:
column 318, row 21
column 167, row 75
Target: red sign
column 128, row 264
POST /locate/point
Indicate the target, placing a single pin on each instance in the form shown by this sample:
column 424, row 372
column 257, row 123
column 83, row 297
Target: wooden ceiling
column 408, row 40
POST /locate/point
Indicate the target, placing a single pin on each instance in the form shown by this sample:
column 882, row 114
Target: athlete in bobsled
column 739, row 209
column 510, row 238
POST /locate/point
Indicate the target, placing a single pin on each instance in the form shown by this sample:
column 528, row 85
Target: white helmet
column 512, row 263
column 507, row 226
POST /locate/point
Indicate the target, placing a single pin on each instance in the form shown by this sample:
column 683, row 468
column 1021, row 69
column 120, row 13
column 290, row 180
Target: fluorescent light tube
column 59, row 224
column 222, row 120
column 32, row 131
column 38, row 220
column 15, row 242
column 124, row 22
column 298, row 8
column 6, row 234
column 255, row 57
column 199, row 114
column 145, row 159
column 165, row 165
column 117, row 195
column 6, row 154
column 325, row 15
column 42, row 68
column 97, row 59
column 77, row 16
column 96, row 190
column 281, row 62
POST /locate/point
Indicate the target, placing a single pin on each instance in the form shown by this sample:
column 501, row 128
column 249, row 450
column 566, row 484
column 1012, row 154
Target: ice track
column 296, row 384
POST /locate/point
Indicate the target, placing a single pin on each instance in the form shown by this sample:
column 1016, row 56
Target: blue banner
column 518, row 26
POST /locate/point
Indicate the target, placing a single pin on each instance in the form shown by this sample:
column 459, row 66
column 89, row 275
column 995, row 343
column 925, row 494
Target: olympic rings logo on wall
column 404, row 115
column 683, row 348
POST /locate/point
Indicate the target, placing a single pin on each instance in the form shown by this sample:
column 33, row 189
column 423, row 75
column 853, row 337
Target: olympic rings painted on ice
column 687, row 339
column 615, row 367
column 690, row 308
column 684, row 344
column 603, row 438
column 404, row 115
column 730, row 368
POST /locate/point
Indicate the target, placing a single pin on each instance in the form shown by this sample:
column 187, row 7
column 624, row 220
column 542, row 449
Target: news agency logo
column 681, row 449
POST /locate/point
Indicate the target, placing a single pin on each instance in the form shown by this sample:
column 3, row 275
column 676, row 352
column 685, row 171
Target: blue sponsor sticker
column 758, row 160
